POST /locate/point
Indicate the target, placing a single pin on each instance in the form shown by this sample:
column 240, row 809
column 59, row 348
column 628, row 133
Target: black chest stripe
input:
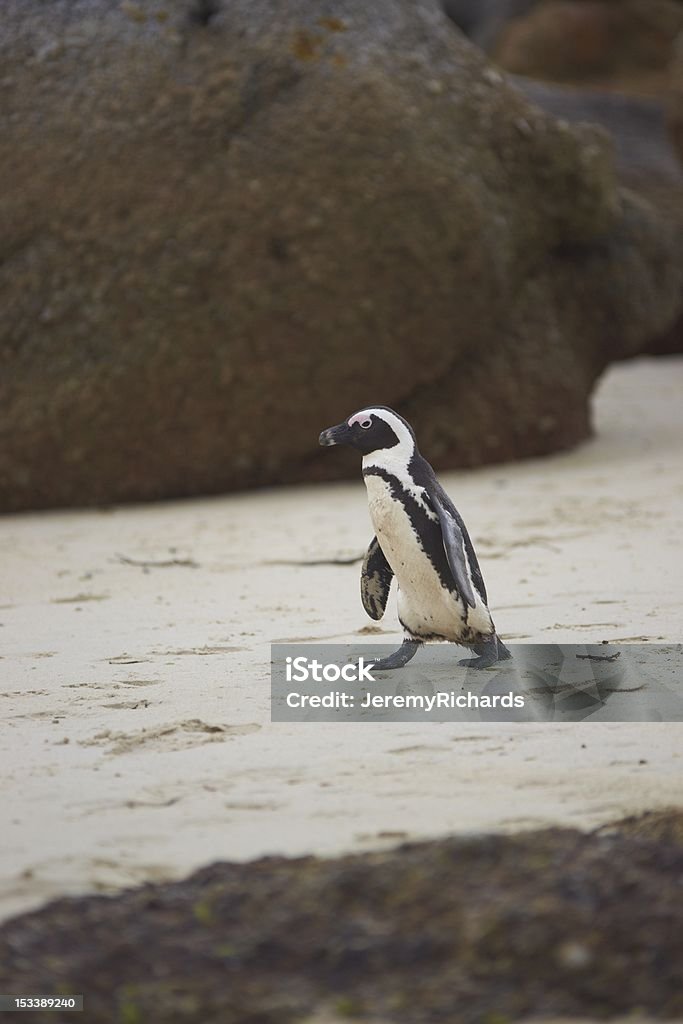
column 428, row 530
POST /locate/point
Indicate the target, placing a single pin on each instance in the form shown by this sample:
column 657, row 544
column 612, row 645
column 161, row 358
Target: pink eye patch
column 362, row 418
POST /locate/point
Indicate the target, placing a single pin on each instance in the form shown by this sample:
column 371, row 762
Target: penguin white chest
column 425, row 606
column 395, row 532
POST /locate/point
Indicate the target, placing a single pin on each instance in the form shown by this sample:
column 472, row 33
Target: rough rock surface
column 466, row 930
column 644, row 154
column 227, row 225
column 642, row 129
column 676, row 98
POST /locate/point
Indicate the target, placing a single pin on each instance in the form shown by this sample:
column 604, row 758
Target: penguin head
column 370, row 430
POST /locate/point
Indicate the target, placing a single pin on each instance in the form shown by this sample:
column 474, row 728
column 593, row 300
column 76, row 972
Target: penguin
column 421, row 539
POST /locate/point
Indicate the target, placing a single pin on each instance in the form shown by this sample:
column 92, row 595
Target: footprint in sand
column 199, row 651
column 125, row 659
column 24, row 693
column 130, row 705
column 139, row 682
column 176, row 736
column 253, row 805
column 90, row 686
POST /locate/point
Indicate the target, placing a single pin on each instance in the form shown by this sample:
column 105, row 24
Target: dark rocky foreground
column 227, row 225
column 488, row 929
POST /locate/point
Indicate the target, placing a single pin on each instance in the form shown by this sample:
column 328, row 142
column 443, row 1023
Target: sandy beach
column 134, row 665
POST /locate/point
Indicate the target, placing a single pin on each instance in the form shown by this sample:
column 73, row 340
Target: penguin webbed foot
column 489, row 653
column 483, row 661
column 399, row 658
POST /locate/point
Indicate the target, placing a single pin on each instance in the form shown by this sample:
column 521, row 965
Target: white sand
column 136, row 735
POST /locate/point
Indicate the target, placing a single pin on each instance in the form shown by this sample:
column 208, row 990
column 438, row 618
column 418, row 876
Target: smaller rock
column 675, row 111
column 484, row 20
column 574, row 40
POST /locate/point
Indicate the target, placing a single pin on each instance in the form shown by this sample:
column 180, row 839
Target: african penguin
column 421, row 540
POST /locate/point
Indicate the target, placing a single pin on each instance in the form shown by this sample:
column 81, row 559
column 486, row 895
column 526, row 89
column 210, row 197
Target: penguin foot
column 483, row 661
column 489, row 652
column 399, row 658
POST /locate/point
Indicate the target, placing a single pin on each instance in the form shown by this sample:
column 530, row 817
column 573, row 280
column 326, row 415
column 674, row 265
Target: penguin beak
column 335, row 435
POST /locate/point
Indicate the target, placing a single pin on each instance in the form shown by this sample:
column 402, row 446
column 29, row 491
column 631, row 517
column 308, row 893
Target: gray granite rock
column 227, row 225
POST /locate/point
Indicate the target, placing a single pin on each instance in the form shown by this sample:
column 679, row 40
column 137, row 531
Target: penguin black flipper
column 375, row 581
column 456, row 540
column 454, row 545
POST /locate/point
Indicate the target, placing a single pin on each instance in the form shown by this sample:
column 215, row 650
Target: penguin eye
column 366, row 424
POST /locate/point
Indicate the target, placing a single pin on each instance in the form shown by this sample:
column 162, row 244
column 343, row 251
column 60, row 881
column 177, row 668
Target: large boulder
column 227, row 225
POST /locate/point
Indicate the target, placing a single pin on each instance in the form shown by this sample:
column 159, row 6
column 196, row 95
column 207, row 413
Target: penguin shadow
column 435, row 672
column 603, row 682
column 578, row 682
column 541, row 683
